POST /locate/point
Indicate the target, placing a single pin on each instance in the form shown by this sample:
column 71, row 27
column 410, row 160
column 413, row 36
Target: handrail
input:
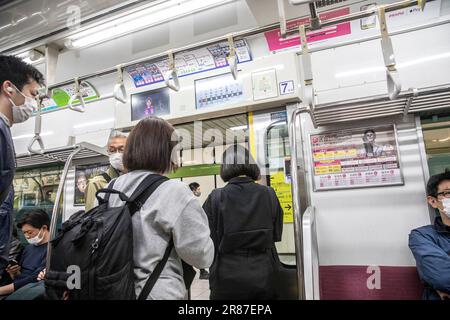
column 310, row 255
column 249, row 33
column 298, row 231
column 55, row 211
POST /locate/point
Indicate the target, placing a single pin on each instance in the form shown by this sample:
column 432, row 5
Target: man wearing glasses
column 116, row 145
column 430, row 244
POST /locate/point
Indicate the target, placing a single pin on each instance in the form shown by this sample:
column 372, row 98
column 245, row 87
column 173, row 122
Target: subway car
column 343, row 104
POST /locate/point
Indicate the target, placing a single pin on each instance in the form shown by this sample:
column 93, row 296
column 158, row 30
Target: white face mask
column 36, row 240
column 22, row 112
column 115, row 160
column 446, row 204
column 197, row 193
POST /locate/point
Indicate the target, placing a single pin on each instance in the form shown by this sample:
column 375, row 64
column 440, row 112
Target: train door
column 269, row 145
column 436, row 133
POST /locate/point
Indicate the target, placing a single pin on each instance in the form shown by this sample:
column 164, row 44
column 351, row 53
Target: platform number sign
column 286, row 87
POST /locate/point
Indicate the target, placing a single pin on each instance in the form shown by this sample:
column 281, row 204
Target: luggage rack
column 411, row 101
column 59, row 155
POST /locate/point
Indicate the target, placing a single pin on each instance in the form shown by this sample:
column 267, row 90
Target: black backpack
column 100, row 243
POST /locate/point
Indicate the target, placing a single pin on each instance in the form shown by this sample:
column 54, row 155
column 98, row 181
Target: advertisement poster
column 216, row 91
column 61, row 96
column 276, row 42
column 356, row 158
column 82, row 176
column 187, row 63
column 150, row 103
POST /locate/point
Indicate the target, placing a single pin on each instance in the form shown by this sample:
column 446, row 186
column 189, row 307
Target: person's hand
column 13, row 271
column 443, row 295
column 41, row 275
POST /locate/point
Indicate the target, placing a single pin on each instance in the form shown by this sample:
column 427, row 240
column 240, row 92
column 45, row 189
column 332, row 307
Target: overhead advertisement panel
column 188, row 63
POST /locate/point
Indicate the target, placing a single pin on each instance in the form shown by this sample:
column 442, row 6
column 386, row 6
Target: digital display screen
column 150, row 103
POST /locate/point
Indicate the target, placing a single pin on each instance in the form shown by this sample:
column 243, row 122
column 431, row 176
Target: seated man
column 35, row 227
column 430, row 244
column 116, row 145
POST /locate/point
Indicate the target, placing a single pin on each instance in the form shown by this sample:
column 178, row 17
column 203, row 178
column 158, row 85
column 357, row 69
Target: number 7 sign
column 286, row 87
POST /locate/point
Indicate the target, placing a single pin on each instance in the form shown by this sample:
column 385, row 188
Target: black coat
column 246, row 220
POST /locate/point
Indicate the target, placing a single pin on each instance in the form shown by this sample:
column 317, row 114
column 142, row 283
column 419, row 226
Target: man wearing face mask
column 195, row 188
column 116, row 145
column 35, row 227
column 19, row 84
column 430, row 244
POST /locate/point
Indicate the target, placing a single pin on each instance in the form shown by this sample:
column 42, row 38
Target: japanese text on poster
column 355, row 158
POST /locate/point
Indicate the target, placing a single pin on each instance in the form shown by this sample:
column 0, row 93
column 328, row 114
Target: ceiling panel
column 28, row 20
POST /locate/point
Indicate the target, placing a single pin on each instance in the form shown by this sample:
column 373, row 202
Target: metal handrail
column 298, row 231
column 311, row 255
column 57, row 203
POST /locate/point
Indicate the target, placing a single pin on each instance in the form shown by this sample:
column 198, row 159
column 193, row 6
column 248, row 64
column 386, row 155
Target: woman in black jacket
column 246, row 220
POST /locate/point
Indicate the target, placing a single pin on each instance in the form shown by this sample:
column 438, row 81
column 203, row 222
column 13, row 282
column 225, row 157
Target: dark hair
column 36, row 218
column 237, row 161
column 193, row 186
column 18, row 72
column 435, row 181
column 150, row 145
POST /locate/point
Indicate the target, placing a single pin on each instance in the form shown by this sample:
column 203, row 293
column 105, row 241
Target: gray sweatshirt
column 171, row 211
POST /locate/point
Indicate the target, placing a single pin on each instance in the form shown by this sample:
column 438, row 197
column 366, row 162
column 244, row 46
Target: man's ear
column 6, row 86
column 432, row 201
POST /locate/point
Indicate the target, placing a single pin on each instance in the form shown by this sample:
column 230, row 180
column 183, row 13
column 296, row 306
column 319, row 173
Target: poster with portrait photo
column 150, row 103
column 356, row 158
column 82, row 176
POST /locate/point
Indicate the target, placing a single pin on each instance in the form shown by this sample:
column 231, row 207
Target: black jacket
column 246, row 220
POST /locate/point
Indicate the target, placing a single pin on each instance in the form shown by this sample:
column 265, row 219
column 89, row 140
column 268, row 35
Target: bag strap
column 156, row 273
column 144, row 191
column 106, row 177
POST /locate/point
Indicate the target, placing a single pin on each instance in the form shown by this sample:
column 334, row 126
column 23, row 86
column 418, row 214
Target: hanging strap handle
column 172, row 73
column 77, row 95
column 308, row 88
column 37, row 133
column 232, row 59
column 120, row 93
column 393, row 78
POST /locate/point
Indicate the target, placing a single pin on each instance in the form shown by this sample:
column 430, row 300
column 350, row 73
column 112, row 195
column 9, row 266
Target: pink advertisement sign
column 275, row 41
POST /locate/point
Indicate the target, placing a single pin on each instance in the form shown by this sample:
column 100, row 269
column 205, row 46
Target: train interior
column 339, row 233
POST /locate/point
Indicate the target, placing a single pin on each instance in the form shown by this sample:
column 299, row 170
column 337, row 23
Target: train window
column 436, row 134
column 35, row 188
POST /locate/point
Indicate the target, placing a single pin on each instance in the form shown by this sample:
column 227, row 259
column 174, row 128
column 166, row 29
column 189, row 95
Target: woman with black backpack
column 170, row 221
column 246, row 220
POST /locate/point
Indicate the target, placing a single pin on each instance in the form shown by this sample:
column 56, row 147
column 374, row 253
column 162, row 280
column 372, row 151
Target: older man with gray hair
column 116, row 145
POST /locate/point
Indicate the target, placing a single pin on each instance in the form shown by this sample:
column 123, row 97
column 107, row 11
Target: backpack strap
column 156, row 273
column 144, row 191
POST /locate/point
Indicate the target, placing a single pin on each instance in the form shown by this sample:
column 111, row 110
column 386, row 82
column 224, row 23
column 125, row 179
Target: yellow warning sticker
column 284, row 194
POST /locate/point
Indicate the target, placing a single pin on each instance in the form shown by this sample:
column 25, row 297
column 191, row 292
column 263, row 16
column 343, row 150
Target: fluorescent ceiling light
column 31, row 56
column 94, row 123
column 24, row 136
column 405, row 64
column 157, row 14
column 238, row 128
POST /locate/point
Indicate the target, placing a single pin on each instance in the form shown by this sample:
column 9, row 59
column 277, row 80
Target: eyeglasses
column 445, row 194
